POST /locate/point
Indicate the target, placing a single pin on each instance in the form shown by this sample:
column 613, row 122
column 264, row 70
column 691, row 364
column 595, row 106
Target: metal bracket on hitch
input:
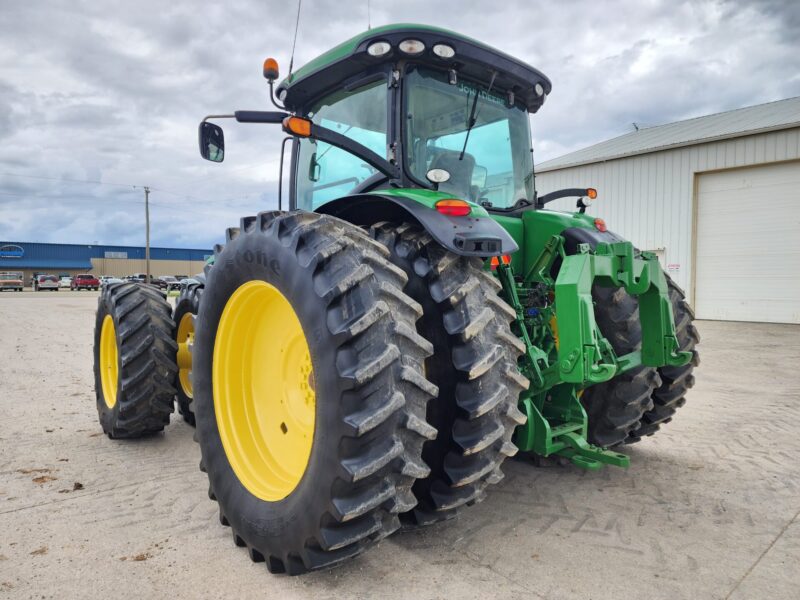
column 560, row 429
column 585, row 455
column 613, row 265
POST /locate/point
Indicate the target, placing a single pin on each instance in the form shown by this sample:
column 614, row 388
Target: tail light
column 452, row 207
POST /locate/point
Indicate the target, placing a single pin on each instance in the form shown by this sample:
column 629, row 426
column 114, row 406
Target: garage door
column 748, row 244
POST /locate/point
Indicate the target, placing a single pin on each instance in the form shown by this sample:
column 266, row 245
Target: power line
column 221, row 208
column 95, row 182
column 67, row 198
column 198, row 181
column 67, row 180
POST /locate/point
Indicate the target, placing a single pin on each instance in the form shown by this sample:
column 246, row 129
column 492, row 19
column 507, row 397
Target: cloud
column 114, row 91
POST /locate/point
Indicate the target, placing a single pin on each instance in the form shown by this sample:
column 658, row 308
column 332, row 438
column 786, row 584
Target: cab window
column 325, row 172
column 476, row 134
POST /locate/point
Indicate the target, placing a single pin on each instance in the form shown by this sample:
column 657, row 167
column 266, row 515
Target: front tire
column 184, row 315
column 675, row 381
column 615, row 407
column 353, row 355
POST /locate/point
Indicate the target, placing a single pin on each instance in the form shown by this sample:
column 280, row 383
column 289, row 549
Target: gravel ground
column 708, row 509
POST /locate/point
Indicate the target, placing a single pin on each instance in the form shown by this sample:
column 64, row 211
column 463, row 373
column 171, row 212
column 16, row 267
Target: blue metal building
column 33, row 257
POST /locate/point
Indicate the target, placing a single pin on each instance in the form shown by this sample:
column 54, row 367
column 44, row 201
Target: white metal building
column 716, row 197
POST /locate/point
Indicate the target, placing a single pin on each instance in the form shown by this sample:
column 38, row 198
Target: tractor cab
column 448, row 112
column 412, row 106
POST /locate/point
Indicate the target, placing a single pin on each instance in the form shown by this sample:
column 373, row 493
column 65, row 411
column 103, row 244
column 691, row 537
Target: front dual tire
column 638, row 402
column 308, row 390
column 134, row 360
column 186, row 308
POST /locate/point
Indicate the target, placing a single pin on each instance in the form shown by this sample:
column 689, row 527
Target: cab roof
column 472, row 59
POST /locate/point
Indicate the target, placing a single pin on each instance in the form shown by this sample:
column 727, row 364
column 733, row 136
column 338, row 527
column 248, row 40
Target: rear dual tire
column 474, row 365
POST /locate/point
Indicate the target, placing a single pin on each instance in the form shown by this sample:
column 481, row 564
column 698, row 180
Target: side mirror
column 212, row 142
column 479, row 176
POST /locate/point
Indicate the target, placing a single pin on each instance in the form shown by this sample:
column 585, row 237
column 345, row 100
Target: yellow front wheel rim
column 185, row 338
column 264, row 393
column 109, row 361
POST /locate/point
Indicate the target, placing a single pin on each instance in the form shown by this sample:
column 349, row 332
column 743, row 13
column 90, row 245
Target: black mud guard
column 467, row 236
column 574, row 236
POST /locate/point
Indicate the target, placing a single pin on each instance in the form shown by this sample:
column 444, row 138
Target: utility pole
column 147, row 231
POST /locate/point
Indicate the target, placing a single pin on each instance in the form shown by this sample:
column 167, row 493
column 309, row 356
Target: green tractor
column 370, row 356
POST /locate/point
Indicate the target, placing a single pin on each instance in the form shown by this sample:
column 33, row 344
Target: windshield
column 495, row 167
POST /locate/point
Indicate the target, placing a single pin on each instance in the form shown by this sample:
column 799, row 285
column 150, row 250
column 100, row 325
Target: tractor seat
column 460, row 182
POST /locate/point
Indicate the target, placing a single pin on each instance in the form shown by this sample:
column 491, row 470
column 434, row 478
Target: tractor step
column 559, row 430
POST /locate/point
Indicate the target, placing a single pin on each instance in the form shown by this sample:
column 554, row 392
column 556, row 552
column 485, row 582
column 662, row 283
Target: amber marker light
column 452, row 207
column 297, row 126
column 271, row 72
column 495, row 261
column 600, row 225
column 592, row 193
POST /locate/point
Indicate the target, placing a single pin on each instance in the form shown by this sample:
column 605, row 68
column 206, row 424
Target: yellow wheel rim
column 185, row 338
column 264, row 393
column 109, row 361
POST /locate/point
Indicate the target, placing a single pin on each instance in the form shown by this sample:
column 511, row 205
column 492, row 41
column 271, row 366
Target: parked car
column 65, row 282
column 11, row 280
column 85, row 281
column 172, row 282
column 45, row 282
column 142, row 278
column 107, row 280
column 186, row 281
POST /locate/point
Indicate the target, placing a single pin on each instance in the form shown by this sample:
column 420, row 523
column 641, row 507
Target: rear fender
column 466, row 236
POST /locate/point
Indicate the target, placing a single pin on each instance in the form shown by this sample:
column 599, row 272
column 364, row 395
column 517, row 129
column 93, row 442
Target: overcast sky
column 112, row 92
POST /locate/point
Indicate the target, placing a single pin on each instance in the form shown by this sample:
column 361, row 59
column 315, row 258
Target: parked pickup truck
column 11, row 280
column 85, row 281
column 172, row 282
